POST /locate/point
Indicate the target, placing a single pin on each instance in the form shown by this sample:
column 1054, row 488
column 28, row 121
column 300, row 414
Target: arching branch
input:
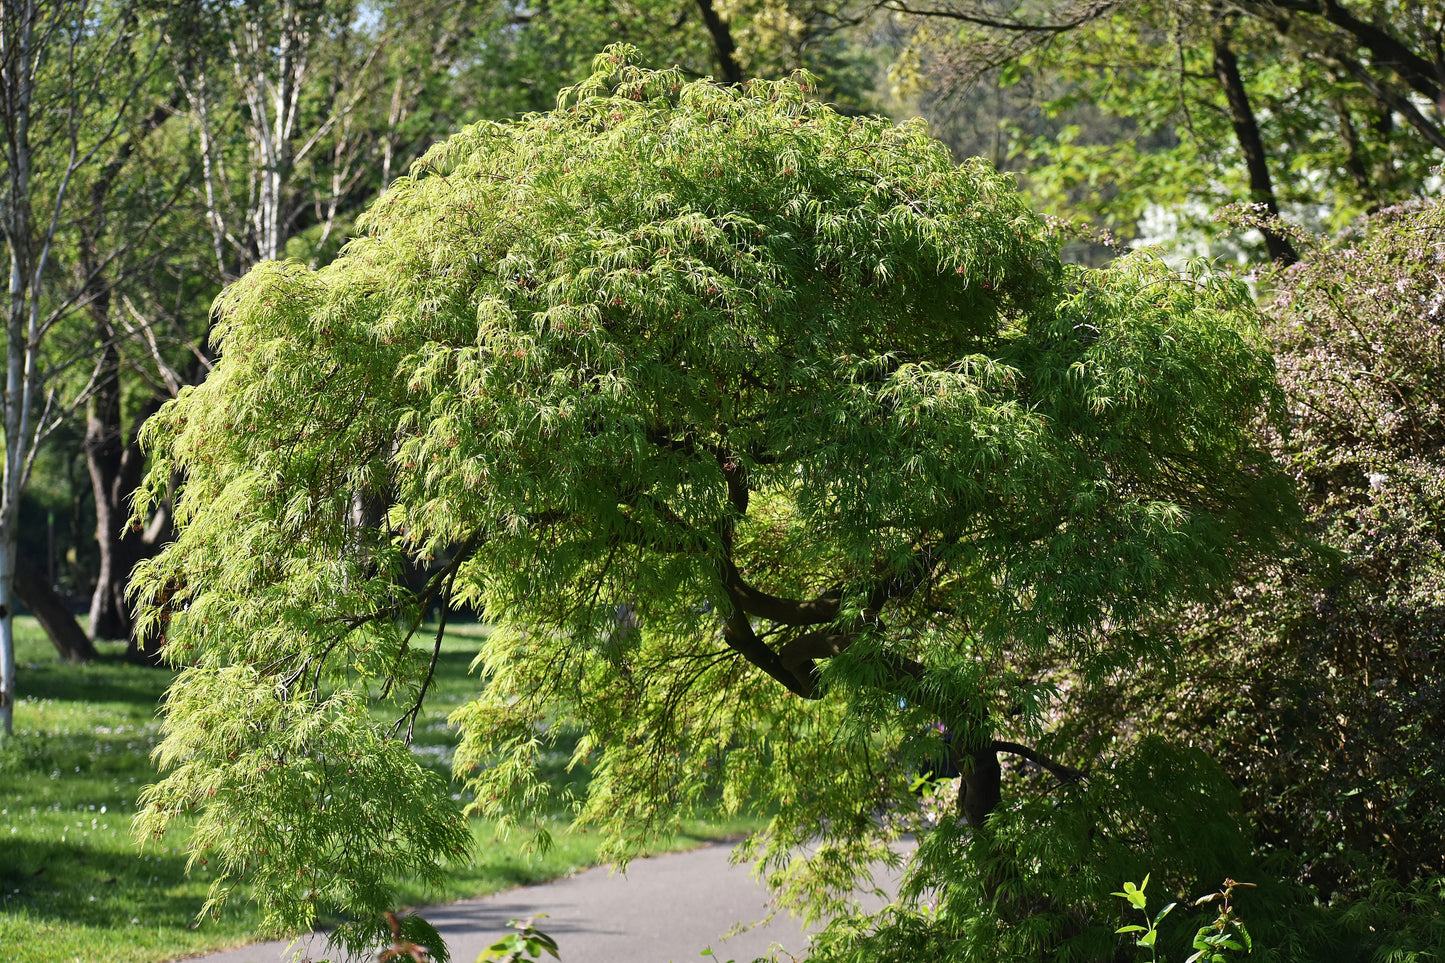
column 1062, row 772
column 1090, row 12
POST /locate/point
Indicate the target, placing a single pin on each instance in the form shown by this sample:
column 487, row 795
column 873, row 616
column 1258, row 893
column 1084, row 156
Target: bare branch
column 1088, row 14
column 1062, row 772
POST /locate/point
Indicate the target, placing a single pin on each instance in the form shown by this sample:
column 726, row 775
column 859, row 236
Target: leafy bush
column 1037, row 885
column 1317, row 683
column 1318, row 686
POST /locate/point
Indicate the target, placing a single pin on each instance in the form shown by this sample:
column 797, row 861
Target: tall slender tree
column 71, row 75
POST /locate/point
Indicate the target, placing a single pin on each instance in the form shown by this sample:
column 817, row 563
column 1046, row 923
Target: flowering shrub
column 1316, row 684
column 1328, row 706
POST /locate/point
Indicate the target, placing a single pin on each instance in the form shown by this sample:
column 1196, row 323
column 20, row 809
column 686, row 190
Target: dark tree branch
column 735, row 473
column 1058, row 769
column 723, row 43
column 1393, row 100
column 736, row 477
column 410, row 716
column 1390, row 55
column 1090, row 12
column 825, row 607
column 801, row 652
column 981, row 788
column 1387, row 49
column 794, row 664
column 1354, row 151
column 739, row 635
column 752, row 601
column 798, row 656
column 1246, row 129
column 423, row 599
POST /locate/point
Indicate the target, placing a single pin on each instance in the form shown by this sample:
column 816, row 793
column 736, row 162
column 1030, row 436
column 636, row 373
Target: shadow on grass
column 76, row 883
column 109, row 679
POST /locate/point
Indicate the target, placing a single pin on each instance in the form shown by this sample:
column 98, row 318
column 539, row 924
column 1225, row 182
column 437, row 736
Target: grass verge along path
column 73, row 884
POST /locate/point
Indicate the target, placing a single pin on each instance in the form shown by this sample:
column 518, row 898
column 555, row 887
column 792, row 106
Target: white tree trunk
column 21, row 66
column 16, row 398
column 80, row 122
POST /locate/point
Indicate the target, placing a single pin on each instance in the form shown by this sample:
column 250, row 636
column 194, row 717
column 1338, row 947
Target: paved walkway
column 666, row 909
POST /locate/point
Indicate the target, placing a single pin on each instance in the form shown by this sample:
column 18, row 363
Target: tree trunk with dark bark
column 116, row 466
column 115, row 462
column 722, row 41
column 981, row 788
column 1246, row 130
column 104, row 454
column 50, row 610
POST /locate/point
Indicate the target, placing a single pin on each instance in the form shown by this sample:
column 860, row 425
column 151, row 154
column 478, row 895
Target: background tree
column 122, row 239
column 70, row 75
column 271, row 125
column 825, row 409
column 1172, row 110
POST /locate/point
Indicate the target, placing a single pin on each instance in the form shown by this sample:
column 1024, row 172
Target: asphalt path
column 665, row 909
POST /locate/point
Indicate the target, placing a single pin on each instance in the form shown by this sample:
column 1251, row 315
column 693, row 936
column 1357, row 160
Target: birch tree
column 316, row 94
column 70, row 74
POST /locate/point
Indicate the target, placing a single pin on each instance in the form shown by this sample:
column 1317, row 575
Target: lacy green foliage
column 298, row 781
column 1038, row 884
column 626, row 374
column 1400, row 923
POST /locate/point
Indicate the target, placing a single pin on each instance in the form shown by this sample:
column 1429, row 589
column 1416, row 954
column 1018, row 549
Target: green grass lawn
column 75, row 886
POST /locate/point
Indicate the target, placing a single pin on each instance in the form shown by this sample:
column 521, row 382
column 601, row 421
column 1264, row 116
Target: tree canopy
column 766, row 437
column 1150, row 110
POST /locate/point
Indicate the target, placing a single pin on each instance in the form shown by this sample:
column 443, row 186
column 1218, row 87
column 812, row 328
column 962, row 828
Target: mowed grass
column 76, row 887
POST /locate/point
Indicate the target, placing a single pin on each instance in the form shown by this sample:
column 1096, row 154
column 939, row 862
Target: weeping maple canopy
column 764, row 436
